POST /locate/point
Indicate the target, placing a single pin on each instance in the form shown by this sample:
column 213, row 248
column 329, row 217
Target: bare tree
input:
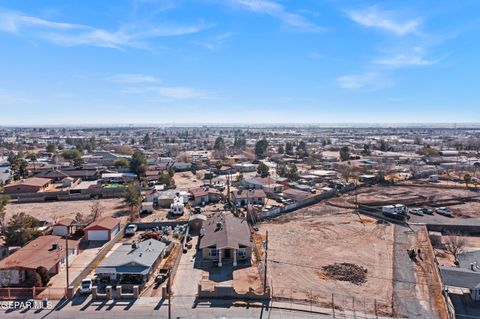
column 455, row 244
column 96, row 211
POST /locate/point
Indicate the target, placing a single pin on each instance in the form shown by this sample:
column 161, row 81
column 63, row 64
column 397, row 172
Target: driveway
column 58, row 282
column 187, row 276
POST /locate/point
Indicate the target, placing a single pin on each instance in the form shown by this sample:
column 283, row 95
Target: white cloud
column 215, row 42
column 171, row 92
column 369, row 80
column 414, row 58
column 180, row 92
column 372, row 17
column 68, row 34
column 132, row 78
column 278, row 11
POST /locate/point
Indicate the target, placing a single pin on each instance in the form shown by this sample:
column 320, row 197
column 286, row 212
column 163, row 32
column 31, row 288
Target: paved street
column 151, row 308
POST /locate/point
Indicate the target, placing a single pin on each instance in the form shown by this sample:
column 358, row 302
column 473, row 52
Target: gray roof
column 225, row 231
column 460, row 277
column 467, row 258
column 139, row 259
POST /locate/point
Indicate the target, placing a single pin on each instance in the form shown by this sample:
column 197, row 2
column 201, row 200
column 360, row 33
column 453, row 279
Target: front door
column 227, row 254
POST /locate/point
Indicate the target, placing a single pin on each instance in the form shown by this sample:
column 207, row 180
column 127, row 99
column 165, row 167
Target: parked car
column 427, row 211
column 444, row 212
column 131, row 229
column 86, row 286
column 416, row 211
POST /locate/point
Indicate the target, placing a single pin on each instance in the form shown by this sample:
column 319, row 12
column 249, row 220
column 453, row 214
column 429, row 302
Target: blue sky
column 238, row 61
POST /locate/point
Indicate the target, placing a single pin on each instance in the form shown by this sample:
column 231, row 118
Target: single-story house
column 132, row 262
column 44, row 251
column 118, row 177
column 164, row 199
column 58, row 175
column 28, row 185
column 181, row 166
column 268, row 184
column 205, row 195
column 63, row 227
column 296, row 194
column 102, row 230
column 466, row 275
column 225, row 238
column 245, row 167
column 249, row 197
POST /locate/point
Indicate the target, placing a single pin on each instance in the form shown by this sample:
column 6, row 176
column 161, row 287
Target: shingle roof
column 225, row 231
column 32, row 181
column 134, row 260
column 460, row 277
column 38, row 252
column 107, row 223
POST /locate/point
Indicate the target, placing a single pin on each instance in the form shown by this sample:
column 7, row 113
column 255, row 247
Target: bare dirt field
column 300, row 247
column 380, row 193
column 186, row 180
column 53, row 211
column 423, row 195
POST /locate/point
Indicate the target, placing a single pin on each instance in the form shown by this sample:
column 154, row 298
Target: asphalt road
column 181, row 308
column 404, row 288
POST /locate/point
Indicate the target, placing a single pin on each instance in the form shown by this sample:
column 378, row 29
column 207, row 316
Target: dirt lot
column 375, row 195
column 298, row 248
column 186, row 180
column 51, row 211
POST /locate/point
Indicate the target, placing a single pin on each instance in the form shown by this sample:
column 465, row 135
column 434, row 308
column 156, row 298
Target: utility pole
column 66, row 257
column 169, row 295
column 266, row 260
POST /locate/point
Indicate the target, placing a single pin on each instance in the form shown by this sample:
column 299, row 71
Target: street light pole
column 66, row 258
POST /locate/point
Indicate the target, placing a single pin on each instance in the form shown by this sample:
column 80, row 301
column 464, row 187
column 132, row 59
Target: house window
column 213, row 252
column 241, row 253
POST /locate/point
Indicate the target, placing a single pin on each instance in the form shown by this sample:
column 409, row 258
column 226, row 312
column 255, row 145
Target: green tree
column 165, row 179
column 366, row 150
column 263, row 170
column 383, row 145
column 467, row 178
column 219, row 148
column 239, row 180
column 261, row 148
column 138, row 164
column 121, row 163
column 18, row 165
column 218, row 164
column 289, row 148
column 4, row 200
column 292, row 172
column 147, row 139
column 282, row 170
column 73, row 155
column 21, row 229
column 344, row 153
column 302, row 149
column 51, row 148
column 133, row 198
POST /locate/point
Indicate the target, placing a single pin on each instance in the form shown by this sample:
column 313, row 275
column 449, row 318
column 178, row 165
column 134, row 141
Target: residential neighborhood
column 239, row 159
column 289, row 216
